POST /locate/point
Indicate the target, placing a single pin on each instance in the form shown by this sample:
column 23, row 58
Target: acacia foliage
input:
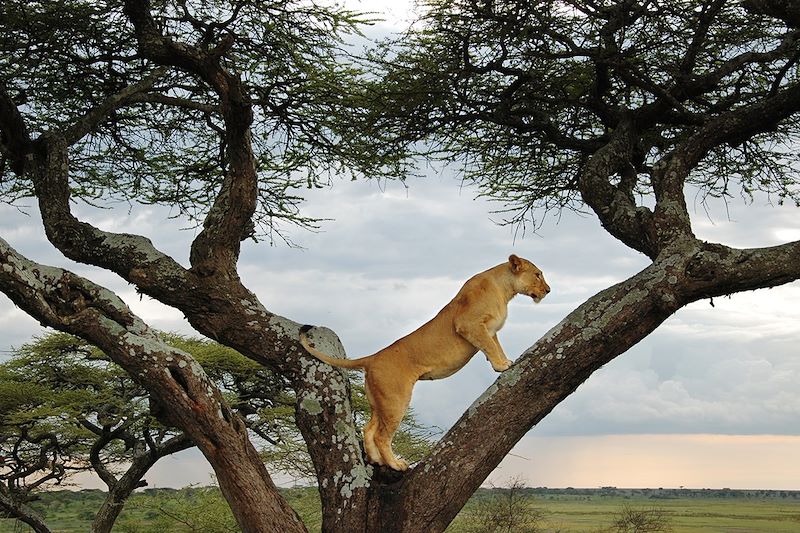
column 522, row 93
column 168, row 145
column 66, row 407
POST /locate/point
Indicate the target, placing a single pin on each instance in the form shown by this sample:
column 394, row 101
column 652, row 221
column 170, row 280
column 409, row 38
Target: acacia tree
column 71, row 410
column 32, row 454
column 67, row 408
column 99, row 99
column 218, row 107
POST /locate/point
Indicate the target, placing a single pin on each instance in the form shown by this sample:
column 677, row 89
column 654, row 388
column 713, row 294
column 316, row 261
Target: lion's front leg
column 505, row 363
column 477, row 334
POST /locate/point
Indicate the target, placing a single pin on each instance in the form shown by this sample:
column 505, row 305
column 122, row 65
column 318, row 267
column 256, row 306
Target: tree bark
column 117, row 495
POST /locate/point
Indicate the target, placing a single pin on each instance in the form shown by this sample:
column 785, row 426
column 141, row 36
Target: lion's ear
column 516, row 263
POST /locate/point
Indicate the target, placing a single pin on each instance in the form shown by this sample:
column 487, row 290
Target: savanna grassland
column 518, row 510
column 684, row 515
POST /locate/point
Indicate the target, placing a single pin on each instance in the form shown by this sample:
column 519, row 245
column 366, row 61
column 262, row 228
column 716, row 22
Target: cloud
column 744, row 225
column 684, row 379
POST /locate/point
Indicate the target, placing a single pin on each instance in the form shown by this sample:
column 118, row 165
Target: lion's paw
column 505, row 365
column 399, row 465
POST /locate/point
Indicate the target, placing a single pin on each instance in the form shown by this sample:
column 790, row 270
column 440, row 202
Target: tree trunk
column 120, row 490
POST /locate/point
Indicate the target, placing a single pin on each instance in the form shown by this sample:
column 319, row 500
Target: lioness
column 438, row 349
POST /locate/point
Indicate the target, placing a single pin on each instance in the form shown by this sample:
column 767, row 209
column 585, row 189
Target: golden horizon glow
column 767, row 462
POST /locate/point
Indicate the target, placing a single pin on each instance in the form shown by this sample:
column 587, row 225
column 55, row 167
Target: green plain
column 559, row 511
column 695, row 515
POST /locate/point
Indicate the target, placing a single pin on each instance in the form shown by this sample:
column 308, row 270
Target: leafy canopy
column 58, row 59
column 521, row 93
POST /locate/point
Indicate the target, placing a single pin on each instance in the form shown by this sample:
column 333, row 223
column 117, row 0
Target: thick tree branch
column 688, row 85
column 786, row 10
column 18, row 144
column 229, row 221
column 326, row 423
column 172, row 101
column 671, row 216
column 22, row 512
column 106, row 475
column 95, row 116
column 733, row 127
column 14, row 138
column 131, row 256
column 121, row 489
column 46, row 160
column 737, row 126
column 717, row 270
column 210, row 307
column 706, row 16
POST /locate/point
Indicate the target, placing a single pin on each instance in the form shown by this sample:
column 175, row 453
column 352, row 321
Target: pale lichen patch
column 253, row 308
column 359, row 478
column 141, row 245
column 284, row 327
column 511, row 376
column 311, row 405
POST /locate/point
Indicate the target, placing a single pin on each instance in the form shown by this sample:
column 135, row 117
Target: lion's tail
column 333, row 361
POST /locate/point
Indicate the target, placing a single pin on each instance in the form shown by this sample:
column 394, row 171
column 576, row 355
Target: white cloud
column 739, row 224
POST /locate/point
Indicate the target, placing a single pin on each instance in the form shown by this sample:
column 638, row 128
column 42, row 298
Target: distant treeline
column 661, row 492
column 91, row 494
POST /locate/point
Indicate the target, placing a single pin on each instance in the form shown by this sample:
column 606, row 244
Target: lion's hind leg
column 373, row 454
column 389, row 404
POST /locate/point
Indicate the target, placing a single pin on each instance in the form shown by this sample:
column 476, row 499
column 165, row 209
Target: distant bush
column 506, row 510
column 191, row 510
column 630, row 520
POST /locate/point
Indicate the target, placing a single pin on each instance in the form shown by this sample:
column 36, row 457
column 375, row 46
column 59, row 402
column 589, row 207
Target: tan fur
column 438, row 349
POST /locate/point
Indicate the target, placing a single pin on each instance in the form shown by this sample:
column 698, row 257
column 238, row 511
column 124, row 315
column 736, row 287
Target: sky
column 710, row 399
